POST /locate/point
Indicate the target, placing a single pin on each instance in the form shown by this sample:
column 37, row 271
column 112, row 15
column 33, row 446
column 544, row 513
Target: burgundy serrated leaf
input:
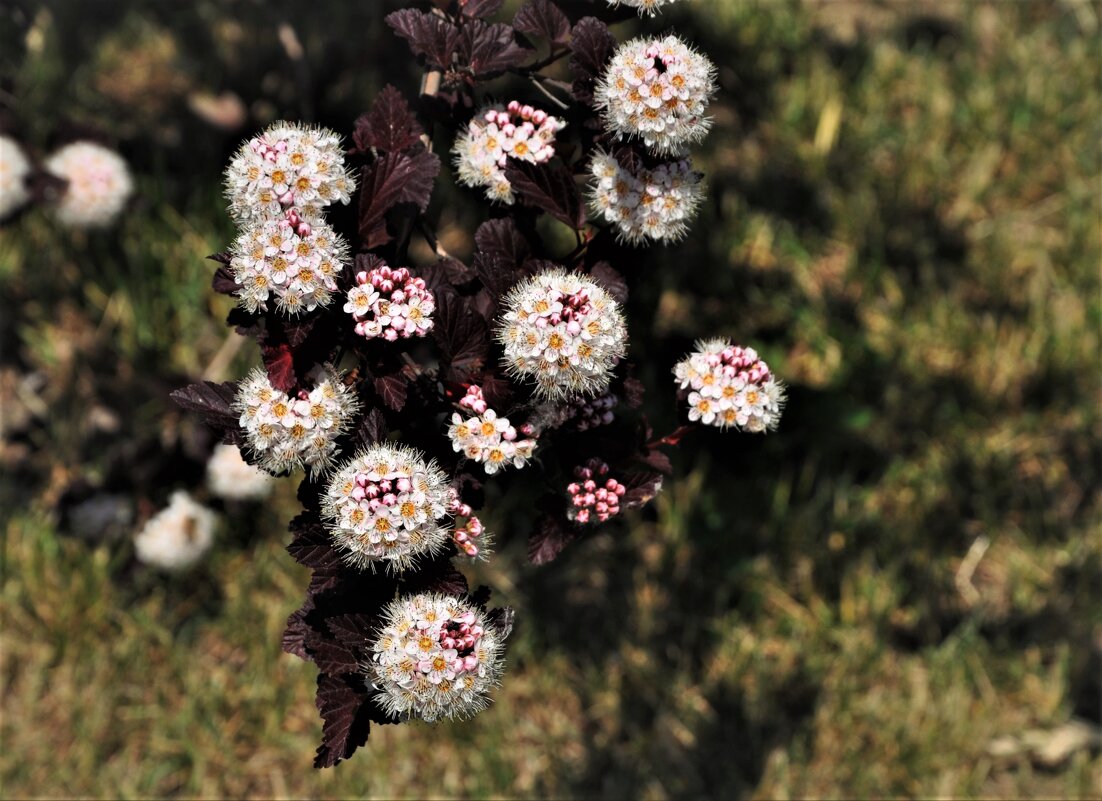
column 549, row 187
column 346, row 718
column 429, row 35
column 548, row 538
column 389, row 126
column 642, row 488
column 395, row 178
column 392, row 390
column 490, row 49
column 212, row 402
column 543, row 18
column 294, row 633
column 312, row 544
column 373, row 428
column 480, row 8
column 592, row 45
column 222, row 257
column 279, row 362
column 223, row 282
column 462, row 334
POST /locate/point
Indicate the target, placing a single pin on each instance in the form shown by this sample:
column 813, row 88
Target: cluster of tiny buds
column 390, row 303
column 730, row 386
column 594, row 412
column 497, row 134
column 470, row 531
column 487, row 438
column 594, row 497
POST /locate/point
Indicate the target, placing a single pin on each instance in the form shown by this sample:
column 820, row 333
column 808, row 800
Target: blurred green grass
column 904, row 216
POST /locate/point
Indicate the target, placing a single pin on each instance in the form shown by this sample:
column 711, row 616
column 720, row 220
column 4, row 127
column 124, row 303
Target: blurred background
column 897, row 594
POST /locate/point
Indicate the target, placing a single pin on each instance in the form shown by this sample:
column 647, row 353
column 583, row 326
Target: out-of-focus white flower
column 435, row 657
column 286, row 432
column 563, row 331
column 14, row 168
column 730, row 386
column 229, row 476
column 287, row 166
column 178, row 536
column 648, row 7
column 98, row 184
column 657, row 90
column 645, row 203
column 499, row 133
column 295, row 260
column 391, row 304
column 487, row 438
column 388, row 505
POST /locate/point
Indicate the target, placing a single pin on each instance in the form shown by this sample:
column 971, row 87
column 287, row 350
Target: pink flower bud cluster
column 465, row 536
column 730, row 386
column 390, row 303
column 386, row 505
column 497, row 134
column 287, row 166
column 287, row 432
column 642, row 203
column 594, row 497
column 435, row 657
column 657, row 90
column 487, row 438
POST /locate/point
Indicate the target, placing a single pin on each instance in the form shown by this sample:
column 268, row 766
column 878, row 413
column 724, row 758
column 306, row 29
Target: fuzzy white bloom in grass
column 563, row 331
column 435, row 657
column 730, row 386
column 293, row 261
column 388, row 506
column 229, row 476
column 487, row 438
column 648, row 7
column 14, row 168
column 643, row 203
column 98, row 184
column 286, row 432
column 657, row 90
column 499, row 133
column 178, row 536
column 288, row 165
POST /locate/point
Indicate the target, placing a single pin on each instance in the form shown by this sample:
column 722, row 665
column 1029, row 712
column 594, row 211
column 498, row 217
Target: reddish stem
column 674, row 437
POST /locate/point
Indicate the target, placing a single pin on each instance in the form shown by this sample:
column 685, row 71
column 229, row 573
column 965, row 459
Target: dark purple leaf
column 497, row 391
column 294, row 634
column 353, row 630
column 462, row 334
column 330, row 655
column 280, row 363
column 395, row 178
column 502, row 238
column 429, row 35
column 373, row 429
column 592, row 45
column 346, row 719
column 549, row 537
column 642, row 487
column 490, row 49
column 212, row 402
column 480, row 8
column 549, row 187
column 389, row 126
column 222, row 257
column 543, row 18
column 446, row 273
column 633, row 392
column 392, row 389
column 658, row 461
column 611, row 280
column 312, row 545
column 502, row 619
column 223, row 282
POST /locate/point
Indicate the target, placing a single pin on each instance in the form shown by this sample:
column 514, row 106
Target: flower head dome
column 98, row 184
column 499, row 133
column 292, row 259
column 286, row 432
column 486, row 437
column 178, row 536
column 648, row 7
column 657, row 90
column 288, row 165
column 229, row 476
column 435, row 657
column 14, row 168
column 643, row 203
column 730, row 386
column 388, row 505
column 563, row 331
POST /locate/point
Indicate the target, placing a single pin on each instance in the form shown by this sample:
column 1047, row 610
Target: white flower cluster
column 14, row 168
column 730, row 386
column 98, row 184
column 564, row 331
column 645, row 204
column 391, row 304
column 487, row 438
column 658, row 90
column 434, row 658
column 295, row 260
column 287, row 166
column 648, row 7
column 178, row 536
column 386, row 505
column 286, row 432
column 499, row 133
column 229, row 476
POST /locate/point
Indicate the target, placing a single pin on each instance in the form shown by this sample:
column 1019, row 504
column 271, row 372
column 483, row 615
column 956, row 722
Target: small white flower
column 648, row 7
column 286, row 433
column 388, row 505
column 287, row 166
column 178, row 536
column 729, row 387
column 434, row 657
column 14, row 168
column 98, row 184
column 563, row 331
column 647, row 203
column 657, row 90
column 390, row 303
column 230, row 476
